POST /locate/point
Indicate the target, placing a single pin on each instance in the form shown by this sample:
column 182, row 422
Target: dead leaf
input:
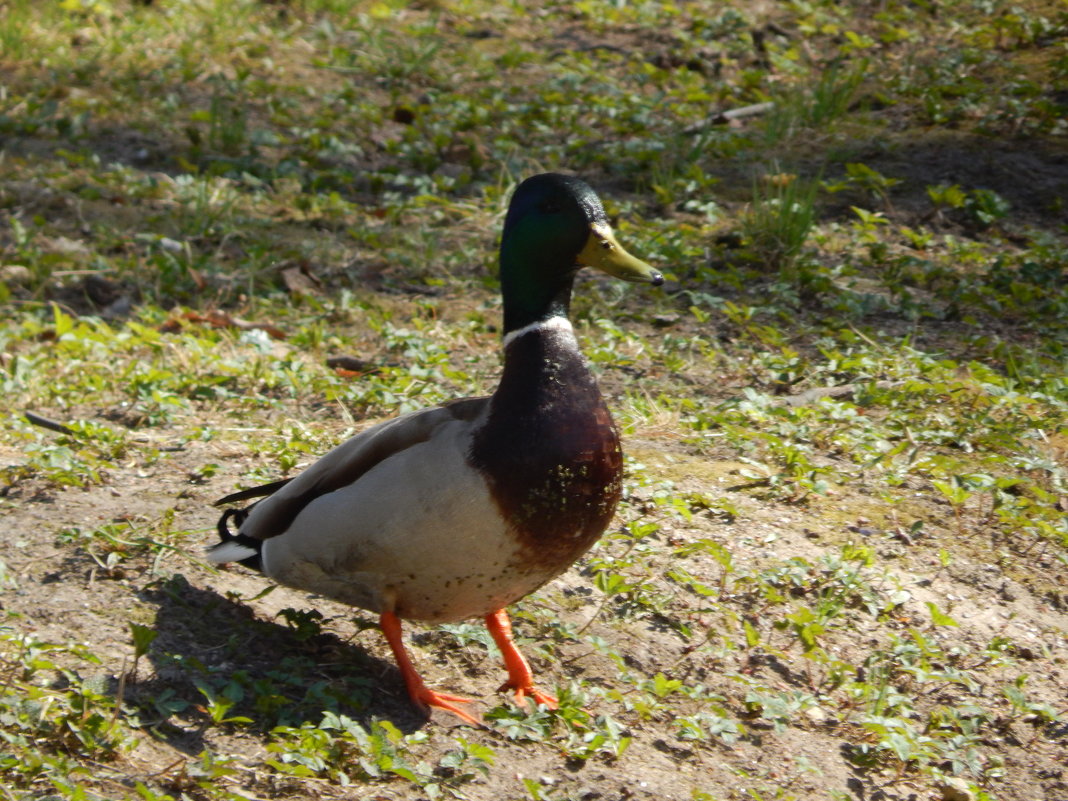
column 198, row 279
column 350, row 366
column 100, row 290
column 300, row 280
column 219, row 319
column 351, row 363
column 403, row 115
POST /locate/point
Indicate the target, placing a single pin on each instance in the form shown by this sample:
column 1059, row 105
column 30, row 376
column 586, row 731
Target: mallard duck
column 459, row 510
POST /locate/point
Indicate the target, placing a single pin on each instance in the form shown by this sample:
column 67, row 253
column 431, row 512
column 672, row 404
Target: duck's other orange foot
column 520, row 676
column 534, row 694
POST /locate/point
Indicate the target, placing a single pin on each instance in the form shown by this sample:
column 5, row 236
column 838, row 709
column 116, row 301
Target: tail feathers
column 235, row 546
column 232, row 551
column 253, row 492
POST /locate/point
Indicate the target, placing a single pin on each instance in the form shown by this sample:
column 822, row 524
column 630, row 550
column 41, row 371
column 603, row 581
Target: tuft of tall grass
column 815, row 107
column 780, row 219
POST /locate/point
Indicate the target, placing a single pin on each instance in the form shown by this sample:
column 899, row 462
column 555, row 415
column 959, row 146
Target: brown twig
column 728, row 116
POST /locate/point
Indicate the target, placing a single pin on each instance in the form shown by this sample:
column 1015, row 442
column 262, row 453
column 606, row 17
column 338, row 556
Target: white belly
column 440, row 553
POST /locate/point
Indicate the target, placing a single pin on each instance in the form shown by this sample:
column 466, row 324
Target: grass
column 839, row 566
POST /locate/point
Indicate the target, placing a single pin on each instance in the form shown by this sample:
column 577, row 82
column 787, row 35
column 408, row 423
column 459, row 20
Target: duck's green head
column 556, row 225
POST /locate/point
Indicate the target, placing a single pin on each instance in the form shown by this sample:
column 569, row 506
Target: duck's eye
column 550, row 207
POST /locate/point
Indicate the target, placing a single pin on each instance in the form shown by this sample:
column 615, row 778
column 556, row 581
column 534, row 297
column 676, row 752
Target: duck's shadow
column 213, row 659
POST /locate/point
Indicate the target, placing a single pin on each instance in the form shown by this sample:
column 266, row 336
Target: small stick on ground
column 51, row 425
column 728, row 116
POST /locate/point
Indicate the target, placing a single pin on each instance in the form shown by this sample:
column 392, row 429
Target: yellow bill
column 604, row 253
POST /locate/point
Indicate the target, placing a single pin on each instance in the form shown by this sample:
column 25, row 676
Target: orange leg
column 421, row 695
column 520, row 677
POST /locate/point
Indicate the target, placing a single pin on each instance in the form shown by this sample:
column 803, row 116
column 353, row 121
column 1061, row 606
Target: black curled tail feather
column 226, row 535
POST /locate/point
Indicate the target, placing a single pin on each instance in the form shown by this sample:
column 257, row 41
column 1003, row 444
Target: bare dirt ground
column 223, row 620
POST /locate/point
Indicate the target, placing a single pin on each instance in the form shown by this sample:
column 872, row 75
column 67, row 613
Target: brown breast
column 549, row 450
